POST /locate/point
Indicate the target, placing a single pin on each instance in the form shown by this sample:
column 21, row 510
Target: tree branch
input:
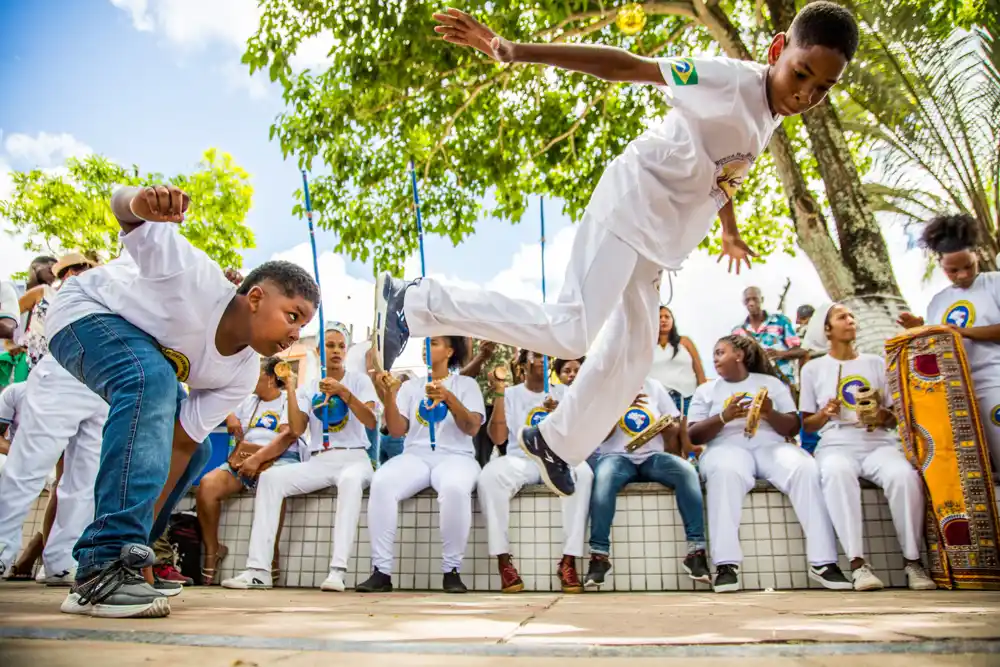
column 579, row 121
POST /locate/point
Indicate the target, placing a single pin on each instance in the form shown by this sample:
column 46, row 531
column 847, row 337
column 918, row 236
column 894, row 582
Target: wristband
column 498, row 394
column 722, row 419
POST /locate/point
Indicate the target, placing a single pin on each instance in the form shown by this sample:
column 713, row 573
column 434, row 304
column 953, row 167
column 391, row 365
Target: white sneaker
column 40, row 576
column 917, row 578
column 865, row 579
column 334, row 582
column 249, row 579
column 64, row 578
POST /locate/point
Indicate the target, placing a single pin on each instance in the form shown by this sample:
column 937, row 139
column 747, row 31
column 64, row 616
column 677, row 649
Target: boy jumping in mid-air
column 652, row 207
column 134, row 329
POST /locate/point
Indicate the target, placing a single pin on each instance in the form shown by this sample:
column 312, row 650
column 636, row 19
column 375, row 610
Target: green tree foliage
column 70, row 211
column 476, row 131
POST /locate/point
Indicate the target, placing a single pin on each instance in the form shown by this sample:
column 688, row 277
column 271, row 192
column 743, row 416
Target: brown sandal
column 208, row 573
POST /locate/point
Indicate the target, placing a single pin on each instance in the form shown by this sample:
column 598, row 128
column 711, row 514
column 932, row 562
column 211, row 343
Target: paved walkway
column 293, row 627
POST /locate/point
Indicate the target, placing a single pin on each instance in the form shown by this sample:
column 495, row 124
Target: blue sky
column 156, row 82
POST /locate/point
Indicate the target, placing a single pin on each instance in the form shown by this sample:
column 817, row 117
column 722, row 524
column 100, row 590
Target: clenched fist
column 160, row 203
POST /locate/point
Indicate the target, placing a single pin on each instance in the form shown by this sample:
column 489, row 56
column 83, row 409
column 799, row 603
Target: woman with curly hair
column 733, row 461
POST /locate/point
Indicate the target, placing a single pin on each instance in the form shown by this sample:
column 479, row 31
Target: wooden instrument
column 753, row 416
column 867, row 401
column 655, row 429
column 282, row 369
column 500, row 373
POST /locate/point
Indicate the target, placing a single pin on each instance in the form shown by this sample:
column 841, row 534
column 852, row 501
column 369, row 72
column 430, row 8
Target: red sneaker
column 568, row 577
column 168, row 572
column 510, row 580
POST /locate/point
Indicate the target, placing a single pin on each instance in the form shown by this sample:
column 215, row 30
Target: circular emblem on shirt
column 739, row 397
column 636, row 420
column 182, row 367
column 961, row 314
column 536, row 416
column 337, row 413
column 427, row 414
column 269, row 420
column 995, row 415
column 848, row 389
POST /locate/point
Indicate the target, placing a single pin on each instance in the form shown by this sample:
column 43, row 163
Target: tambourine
column 282, row 369
column 753, row 415
column 657, row 427
column 866, row 405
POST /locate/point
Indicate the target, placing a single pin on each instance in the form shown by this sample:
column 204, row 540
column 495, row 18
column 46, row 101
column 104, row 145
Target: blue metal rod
column 545, row 359
column 423, row 274
column 322, row 322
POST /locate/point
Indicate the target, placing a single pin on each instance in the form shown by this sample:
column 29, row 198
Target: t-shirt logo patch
column 536, row 416
column 683, row 72
column 182, row 367
column 730, row 172
column 739, row 397
column 268, row 420
column 961, row 314
column 995, row 415
column 848, row 389
column 636, row 420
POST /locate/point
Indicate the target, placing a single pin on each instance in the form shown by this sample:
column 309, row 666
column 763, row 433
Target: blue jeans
column 682, row 402
column 123, row 365
column 809, row 440
column 615, row 471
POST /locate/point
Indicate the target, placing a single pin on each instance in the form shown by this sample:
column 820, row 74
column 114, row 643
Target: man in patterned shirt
column 487, row 356
column 774, row 331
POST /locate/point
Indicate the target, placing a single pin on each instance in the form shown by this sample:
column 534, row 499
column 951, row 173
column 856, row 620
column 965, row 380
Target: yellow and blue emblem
column 995, row 415
column 847, row 391
column 683, row 72
column 636, row 420
column 535, row 416
column 739, row 397
column 961, row 314
column 269, row 420
column 180, row 363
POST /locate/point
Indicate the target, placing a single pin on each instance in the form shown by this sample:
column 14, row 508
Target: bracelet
column 498, row 394
column 722, row 419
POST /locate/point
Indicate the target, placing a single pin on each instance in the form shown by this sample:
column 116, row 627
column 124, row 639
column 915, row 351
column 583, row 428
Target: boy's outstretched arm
column 604, row 62
column 733, row 245
column 159, row 203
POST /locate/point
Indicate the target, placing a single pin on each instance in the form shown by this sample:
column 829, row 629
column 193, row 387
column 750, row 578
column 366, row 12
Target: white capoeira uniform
column 343, row 463
column 11, row 399
column 450, row 469
column 847, row 452
column 978, row 306
column 59, row 414
column 504, row 476
column 652, row 207
column 732, row 462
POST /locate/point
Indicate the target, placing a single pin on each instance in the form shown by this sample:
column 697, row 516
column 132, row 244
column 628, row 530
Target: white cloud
column 43, row 150
column 138, row 11
column 313, row 52
column 257, row 86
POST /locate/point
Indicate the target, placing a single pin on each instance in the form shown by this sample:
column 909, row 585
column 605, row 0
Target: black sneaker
column 391, row 331
column 831, row 577
column 727, row 579
column 556, row 473
column 696, row 565
column 377, row 583
column 453, row 582
column 168, row 588
column 119, row 590
column 599, row 566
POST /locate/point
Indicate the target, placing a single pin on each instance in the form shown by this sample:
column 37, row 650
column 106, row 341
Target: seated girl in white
column 339, row 460
column 849, row 450
column 456, row 409
column 261, row 419
column 525, row 405
column 731, row 461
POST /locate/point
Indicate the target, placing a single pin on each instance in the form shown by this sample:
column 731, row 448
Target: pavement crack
column 510, row 635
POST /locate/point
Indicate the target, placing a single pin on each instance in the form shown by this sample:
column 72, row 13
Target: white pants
column 841, row 465
column 59, row 414
column 350, row 470
column 502, row 478
column 989, row 415
column 607, row 284
column 453, row 476
column 729, row 472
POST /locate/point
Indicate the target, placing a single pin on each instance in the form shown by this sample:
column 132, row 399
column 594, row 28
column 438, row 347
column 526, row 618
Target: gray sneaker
column 391, row 332
column 119, row 590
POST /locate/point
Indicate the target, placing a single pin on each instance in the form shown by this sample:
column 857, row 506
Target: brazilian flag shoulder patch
column 683, row 72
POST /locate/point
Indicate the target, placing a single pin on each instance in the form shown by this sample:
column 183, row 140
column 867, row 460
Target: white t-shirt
column 344, row 428
column 637, row 419
column 174, row 292
column 447, row 436
column 978, row 306
column 523, row 407
column 662, row 194
column 674, row 371
column 819, row 386
column 712, row 398
column 11, row 398
column 262, row 419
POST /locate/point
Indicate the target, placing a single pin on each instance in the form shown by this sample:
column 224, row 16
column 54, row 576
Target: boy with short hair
column 134, row 329
column 652, row 207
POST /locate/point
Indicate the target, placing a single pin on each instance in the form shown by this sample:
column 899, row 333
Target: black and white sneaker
column 696, row 565
column 556, row 473
column 830, row 576
column 599, row 566
column 391, row 331
column 453, row 582
column 377, row 583
column 727, row 579
column 119, row 590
